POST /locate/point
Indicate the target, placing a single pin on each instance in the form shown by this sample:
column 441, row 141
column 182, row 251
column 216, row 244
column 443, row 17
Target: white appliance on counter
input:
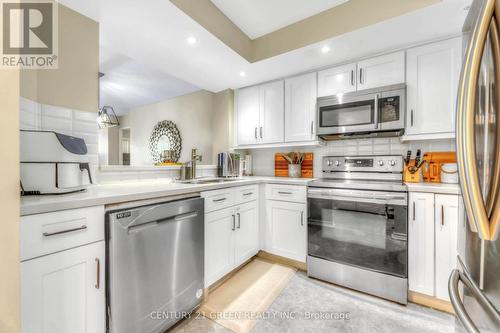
column 53, row 163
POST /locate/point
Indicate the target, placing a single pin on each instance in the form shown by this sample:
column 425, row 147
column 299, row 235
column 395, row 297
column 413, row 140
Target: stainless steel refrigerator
column 474, row 287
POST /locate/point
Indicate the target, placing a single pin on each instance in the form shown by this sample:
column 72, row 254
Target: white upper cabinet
column 447, row 216
column 300, row 108
column 271, row 115
column 247, row 118
column 260, row 114
column 421, row 243
column 370, row 73
column 381, row 71
column 337, row 80
column 432, row 74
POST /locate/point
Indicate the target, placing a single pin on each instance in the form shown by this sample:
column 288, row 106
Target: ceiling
column 154, row 38
column 128, row 84
column 259, row 17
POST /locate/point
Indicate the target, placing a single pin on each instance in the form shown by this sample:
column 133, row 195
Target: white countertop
column 440, row 188
column 113, row 193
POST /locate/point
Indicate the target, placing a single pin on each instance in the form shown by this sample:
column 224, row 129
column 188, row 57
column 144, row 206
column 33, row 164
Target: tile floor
column 306, row 299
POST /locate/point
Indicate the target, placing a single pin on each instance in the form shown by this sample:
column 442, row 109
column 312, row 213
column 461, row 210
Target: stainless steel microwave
column 372, row 112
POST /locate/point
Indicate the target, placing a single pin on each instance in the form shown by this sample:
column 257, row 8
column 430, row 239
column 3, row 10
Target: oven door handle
column 392, row 199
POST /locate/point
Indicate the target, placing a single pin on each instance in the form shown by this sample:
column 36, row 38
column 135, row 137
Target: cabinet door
column 247, row 115
column 432, row 81
column 247, row 232
column 64, row 292
column 219, row 244
column 337, row 80
column 421, row 243
column 272, row 112
column 446, row 217
column 381, row 71
column 288, row 229
column 300, row 107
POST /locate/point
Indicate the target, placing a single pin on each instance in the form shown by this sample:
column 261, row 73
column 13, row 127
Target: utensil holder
column 294, row 170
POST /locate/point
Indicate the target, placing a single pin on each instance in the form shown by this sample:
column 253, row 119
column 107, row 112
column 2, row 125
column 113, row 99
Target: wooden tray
column 281, row 165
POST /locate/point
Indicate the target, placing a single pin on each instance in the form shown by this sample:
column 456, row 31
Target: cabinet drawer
column 246, row 194
column 291, row 193
column 43, row 234
column 218, row 199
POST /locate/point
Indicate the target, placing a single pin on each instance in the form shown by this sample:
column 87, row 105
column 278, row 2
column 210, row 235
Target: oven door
column 341, row 114
column 366, row 229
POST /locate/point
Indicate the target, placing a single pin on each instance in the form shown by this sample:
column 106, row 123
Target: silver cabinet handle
column 411, row 117
column 98, row 273
column 261, row 132
column 302, row 218
column 352, row 77
column 442, row 215
column 48, row 234
column 281, row 192
column 312, row 127
column 255, row 133
column 219, row 200
column 233, row 228
column 361, row 75
column 413, row 210
column 249, row 193
column 239, row 220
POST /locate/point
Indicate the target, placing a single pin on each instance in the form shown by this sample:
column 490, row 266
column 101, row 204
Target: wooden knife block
column 411, row 177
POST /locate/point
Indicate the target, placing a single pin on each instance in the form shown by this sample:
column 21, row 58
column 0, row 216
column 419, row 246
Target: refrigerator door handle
column 462, row 275
column 457, row 304
column 466, row 150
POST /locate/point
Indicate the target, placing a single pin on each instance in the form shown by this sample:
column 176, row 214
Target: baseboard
column 430, row 301
column 282, row 260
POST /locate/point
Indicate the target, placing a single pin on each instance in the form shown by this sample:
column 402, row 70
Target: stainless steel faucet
column 194, row 157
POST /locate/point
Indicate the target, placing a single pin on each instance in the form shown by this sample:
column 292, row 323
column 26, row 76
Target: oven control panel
column 385, row 163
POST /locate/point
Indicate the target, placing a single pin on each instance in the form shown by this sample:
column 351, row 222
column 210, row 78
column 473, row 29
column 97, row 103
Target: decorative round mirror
column 165, row 143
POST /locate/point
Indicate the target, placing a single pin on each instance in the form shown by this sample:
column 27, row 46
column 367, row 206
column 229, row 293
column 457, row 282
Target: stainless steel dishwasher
column 155, row 264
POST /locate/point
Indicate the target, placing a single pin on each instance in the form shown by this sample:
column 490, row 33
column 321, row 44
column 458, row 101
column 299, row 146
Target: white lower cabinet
column 446, row 219
column 247, row 232
column 287, row 227
column 64, row 292
column 432, row 240
column 421, row 243
column 231, row 236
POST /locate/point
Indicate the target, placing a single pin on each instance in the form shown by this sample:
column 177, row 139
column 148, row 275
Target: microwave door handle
column 376, row 115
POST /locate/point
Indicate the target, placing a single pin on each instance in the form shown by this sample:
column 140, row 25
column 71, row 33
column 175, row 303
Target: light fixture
column 191, row 40
column 106, row 116
column 325, row 49
column 243, row 74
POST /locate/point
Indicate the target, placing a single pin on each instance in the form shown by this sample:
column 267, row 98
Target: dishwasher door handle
column 179, row 217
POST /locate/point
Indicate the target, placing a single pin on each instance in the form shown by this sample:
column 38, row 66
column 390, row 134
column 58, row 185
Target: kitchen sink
column 207, row 180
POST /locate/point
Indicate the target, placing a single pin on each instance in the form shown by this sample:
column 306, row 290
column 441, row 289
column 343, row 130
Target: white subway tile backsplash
column 36, row 116
column 56, row 111
column 263, row 164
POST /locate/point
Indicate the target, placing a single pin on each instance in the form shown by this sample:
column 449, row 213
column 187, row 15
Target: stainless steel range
column 357, row 225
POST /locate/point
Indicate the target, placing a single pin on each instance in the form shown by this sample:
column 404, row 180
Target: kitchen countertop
column 112, row 193
column 440, row 188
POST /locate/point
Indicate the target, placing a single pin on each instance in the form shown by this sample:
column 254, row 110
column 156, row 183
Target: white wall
column 192, row 113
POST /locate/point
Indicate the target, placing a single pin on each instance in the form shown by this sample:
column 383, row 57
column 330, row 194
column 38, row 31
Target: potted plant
column 294, row 160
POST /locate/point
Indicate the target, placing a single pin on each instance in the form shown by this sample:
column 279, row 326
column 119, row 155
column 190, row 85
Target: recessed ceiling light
column 325, row 49
column 243, row 74
column 191, row 40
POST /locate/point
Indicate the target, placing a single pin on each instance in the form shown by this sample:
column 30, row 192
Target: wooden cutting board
column 281, row 165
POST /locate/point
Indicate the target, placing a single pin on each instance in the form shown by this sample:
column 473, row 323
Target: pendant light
column 107, row 116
